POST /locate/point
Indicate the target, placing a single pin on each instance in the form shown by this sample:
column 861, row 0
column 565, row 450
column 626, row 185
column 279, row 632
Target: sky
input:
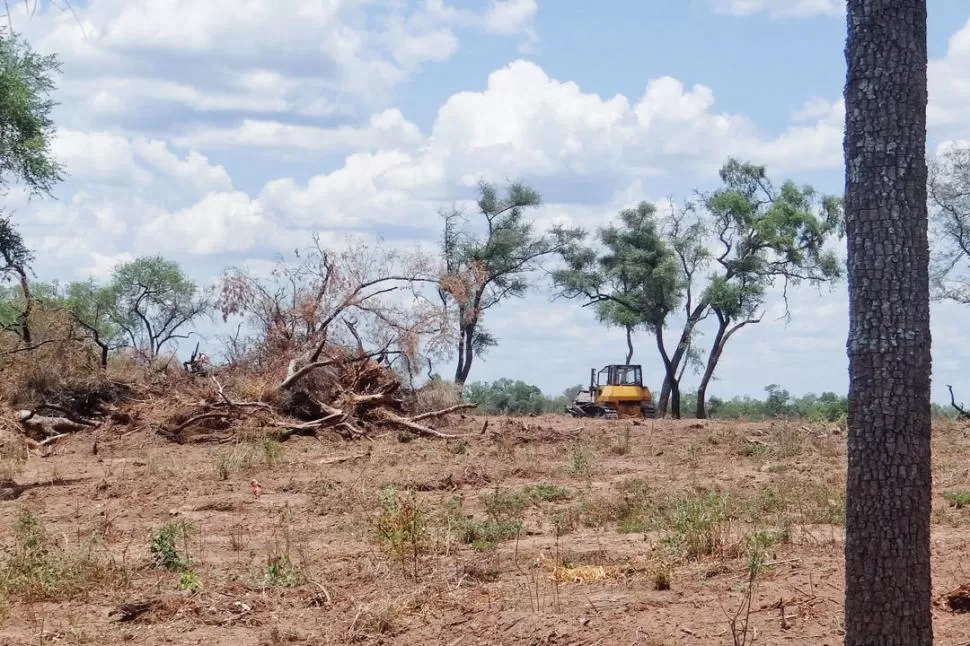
column 223, row 133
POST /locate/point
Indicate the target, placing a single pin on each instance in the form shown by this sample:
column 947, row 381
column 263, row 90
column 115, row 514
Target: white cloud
column 125, row 58
column 386, row 129
column 510, row 16
column 949, row 87
column 781, row 8
column 526, row 122
column 113, row 158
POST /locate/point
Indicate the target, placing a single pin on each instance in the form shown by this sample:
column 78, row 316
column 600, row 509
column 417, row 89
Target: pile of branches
column 349, row 392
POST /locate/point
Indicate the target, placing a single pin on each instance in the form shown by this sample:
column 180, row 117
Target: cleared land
column 541, row 530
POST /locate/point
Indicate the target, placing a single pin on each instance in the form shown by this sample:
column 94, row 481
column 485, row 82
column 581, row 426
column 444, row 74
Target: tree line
column 515, row 397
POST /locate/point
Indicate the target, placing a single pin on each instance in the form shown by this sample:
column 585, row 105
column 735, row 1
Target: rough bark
column 887, row 546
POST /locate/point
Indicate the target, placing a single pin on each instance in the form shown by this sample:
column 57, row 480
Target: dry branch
column 443, row 411
column 423, row 430
column 294, row 375
column 961, row 412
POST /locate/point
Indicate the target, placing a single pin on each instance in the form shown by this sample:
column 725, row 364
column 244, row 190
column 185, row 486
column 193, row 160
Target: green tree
column 26, row 131
column 889, row 480
column 94, row 310
column 631, row 277
column 15, row 259
column 26, row 128
column 483, row 269
column 763, row 236
column 153, row 301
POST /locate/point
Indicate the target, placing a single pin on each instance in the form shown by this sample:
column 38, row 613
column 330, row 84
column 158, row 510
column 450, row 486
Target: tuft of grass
column 661, row 579
column 504, row 519
column 280, row 572
column 958, row 499
column 248, row 456
column 544, row 492
column 621, row 445
column 696, row 525
column 632, row 508
column 40, row 568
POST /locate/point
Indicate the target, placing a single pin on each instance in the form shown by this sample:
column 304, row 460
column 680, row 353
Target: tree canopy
column 485, row 268
column 153, row 301
column 26, row 127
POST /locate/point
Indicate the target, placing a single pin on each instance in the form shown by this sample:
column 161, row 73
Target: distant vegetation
column 508, row 397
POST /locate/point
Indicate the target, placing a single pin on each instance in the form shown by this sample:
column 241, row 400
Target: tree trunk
column 466, row 353
column 693, row 317
column 716, row 349
column 460, row 367
column 670, row 391
column 629, row 343
column 24, row 318
column 889, row 478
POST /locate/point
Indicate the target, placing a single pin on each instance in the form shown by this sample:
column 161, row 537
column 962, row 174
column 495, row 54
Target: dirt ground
column 541, row 530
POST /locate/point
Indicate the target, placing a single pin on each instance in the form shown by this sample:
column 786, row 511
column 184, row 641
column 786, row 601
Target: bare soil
column 542, row 530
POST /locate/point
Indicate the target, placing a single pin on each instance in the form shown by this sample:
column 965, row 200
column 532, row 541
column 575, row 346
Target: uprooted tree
column 484, row 269
column 333, row 334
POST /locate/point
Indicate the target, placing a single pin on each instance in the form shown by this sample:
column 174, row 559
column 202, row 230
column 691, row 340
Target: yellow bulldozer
column 615, row 392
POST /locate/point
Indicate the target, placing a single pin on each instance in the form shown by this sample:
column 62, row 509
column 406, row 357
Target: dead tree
column 961, row 412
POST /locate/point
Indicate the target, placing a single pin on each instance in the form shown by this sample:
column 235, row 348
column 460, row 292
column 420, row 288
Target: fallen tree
column 311, row 324
column 350, row 393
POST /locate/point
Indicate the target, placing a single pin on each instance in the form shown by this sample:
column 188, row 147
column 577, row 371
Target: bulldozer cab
column 620, row 375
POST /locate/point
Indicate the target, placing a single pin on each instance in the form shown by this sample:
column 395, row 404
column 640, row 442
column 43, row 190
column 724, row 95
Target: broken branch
column 443, row 411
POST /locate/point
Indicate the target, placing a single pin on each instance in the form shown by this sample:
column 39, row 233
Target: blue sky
column 220, row 136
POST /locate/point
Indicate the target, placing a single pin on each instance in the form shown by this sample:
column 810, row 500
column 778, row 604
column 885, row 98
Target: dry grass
column 542, row 527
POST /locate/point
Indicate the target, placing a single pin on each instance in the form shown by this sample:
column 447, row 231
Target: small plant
column 661, row 579
column 163, row 545
column 41, row 568
column 580, row 465
column 958, row 499
column 401, row 526
column 621, row 446
column 280, row 572
column 190, row 582
column 755, row 546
